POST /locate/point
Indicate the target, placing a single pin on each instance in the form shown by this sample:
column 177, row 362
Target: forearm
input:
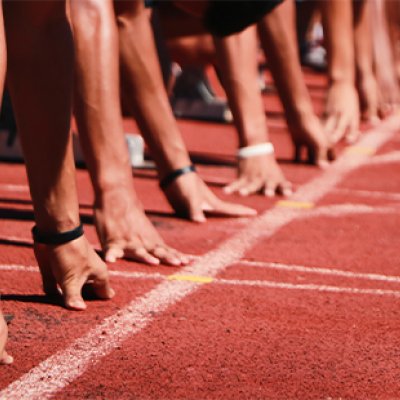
column 278, row 38
column 96, row 95
column 145, row 91
column 362, row 37
column 237, row 60
column 45, row 44
column 337, row 19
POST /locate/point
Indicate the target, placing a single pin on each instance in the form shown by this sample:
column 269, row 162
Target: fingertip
column 76, row 305
column 199, row 218
column 243, row 192
column 6, row 359
column 227, row 190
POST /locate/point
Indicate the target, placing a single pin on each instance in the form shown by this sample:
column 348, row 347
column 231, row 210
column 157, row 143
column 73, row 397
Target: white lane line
column 310, row 287
column 200, row 280
column 371, row 194
column 392, row 157
column 60, row 369
column 341, row 210
column 321, row 271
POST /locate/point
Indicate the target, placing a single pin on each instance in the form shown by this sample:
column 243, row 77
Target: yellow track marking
column 191, row 278
column 361, row 150
column 295, row 204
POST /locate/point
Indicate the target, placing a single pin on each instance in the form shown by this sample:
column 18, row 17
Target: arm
column 40, row 57
column 237, row 60
column 278, row 38
column 145, row 93
column 342, row 110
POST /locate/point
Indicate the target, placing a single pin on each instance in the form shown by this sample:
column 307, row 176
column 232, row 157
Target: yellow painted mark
column 295, row 204
column 191, row 278
column 362, row 150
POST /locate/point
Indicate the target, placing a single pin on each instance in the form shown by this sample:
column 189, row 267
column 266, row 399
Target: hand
column 125, row 231
column 307, row 131
column 191, row 198
column 342, row 114
column 5, row 358
column 259, row 174
column 69, row 267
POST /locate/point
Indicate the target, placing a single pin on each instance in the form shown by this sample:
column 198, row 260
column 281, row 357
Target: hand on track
column 342, row 113
column 191, row 198
column 69, row 267
column 259, row 174
column 125, row 231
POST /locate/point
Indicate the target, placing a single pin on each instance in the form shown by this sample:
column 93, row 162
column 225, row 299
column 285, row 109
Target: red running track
column 301, row 302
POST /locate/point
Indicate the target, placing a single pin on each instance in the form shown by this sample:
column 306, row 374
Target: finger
column 223, row 208
column 101, row 283
column 6, row 359
column 330, row 124
column 140, row 254
column 341, row 128
column 72, row 293
column 270, row 189
column 285, row 189
column 354, row 133
column 318, row 155
column 234, row 186
column 168, row 256
column 251, row 187
column 113, row 252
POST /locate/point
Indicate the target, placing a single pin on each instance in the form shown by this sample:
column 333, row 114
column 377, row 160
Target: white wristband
column 256, row 150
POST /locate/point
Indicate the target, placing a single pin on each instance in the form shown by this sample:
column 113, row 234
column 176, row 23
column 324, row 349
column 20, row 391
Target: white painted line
column 372, row 194
column 310, row 287
column 14, row 188
column 257, row 264
column 341, row 210
column 392, row 157
column 200, row 280
column 322, row 271
column 60, row 369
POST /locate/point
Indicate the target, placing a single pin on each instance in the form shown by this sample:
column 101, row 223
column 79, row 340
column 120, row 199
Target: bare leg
column 342, row 113
column 278, row 37
column 38, row 36
column 122, row 226
column 142, row 78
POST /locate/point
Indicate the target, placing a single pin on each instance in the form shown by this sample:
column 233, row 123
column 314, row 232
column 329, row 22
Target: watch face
column 223, row 17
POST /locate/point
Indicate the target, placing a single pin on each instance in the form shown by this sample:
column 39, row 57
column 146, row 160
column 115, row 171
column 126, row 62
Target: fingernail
column 110, row 259
column 77, row 305
column 7, row 360
column 269, row 193
column 227, row 190
column 243, row 192
column 287, row 192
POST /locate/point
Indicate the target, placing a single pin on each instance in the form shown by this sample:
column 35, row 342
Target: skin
column 148, row 101
column 388, row 84
column 38, row 36
column 342, row 114
column 365, row 77
column 278, row 38
column 122, row 226
column 236, row 58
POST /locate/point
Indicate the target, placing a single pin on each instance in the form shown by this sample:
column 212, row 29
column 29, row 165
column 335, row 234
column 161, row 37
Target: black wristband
column 166, row 181
column 57, row 238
